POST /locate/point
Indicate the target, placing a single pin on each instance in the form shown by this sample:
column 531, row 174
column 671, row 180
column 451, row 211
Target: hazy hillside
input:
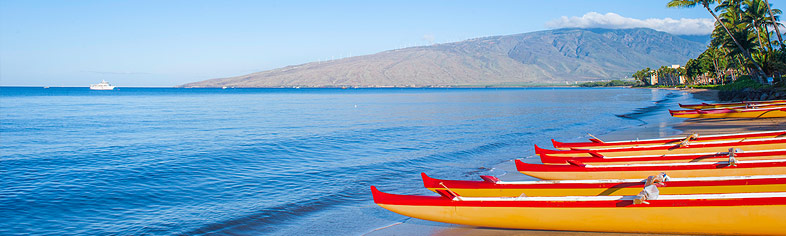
column 552, row 56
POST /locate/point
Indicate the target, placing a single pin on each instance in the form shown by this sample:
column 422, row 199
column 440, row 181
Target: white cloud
column 683, row 26
column 429, row 38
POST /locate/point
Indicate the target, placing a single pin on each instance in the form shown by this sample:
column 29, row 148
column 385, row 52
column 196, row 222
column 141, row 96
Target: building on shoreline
column 667, row 76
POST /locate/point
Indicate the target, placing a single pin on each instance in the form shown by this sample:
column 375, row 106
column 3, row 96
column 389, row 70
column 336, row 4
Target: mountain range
column 544, row 57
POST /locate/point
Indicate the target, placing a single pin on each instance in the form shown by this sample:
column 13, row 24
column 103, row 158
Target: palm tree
column 754, row 14
column 706, row 4
column 767, row 23
column 730, row 5
column 780, row 40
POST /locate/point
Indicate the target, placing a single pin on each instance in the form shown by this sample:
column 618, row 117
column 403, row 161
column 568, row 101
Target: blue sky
column 168, row 43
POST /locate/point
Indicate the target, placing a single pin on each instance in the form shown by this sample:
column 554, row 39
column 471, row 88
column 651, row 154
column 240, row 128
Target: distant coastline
column 552, row 57
column 340, row 87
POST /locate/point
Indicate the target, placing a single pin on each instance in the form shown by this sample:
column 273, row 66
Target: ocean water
column 162, row 161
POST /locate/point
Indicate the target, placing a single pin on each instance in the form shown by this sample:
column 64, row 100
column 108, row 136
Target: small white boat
column 102, row 86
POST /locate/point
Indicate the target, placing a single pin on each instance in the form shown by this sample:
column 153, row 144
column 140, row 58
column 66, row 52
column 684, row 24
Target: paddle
column 454, row 194
column 595, row 138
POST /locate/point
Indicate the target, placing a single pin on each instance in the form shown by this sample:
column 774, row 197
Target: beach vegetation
column 740, row 84
column 727, row 15
column 746, row 43
column 643, row 76
column 613, row 83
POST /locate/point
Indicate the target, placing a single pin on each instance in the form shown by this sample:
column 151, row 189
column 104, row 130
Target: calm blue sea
column 162, row 161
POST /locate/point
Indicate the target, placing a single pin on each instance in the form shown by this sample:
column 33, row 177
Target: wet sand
column 421, row 227
column 704, row 94
column 688, row 126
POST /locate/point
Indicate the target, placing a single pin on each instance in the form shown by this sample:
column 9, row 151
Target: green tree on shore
column 774, row 19
column 711, row 63
column 643, row 76
column 742, row 41
column 706, row 5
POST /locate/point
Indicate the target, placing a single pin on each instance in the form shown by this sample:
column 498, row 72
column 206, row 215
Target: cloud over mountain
column 683, row 26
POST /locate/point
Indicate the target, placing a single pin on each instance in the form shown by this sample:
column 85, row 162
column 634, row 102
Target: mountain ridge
column 549, row 56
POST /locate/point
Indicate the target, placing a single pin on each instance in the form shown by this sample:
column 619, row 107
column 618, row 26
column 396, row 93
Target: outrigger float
column 721, row 146
column 493, row 187
column 693, row 138
column 737, row 213
column 672, row 158
column 578, row 171
column 732, row 104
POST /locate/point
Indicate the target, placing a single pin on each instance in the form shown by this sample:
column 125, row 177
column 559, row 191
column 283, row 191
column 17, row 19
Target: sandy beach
column 684, row 127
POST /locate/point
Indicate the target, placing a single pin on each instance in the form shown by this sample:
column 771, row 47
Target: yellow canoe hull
column 622, row 161
column 726, row 220
column 754, row 147
column 762, row 114
column 557, row 192
column 622, row 145
column 731, row 104
column 691, row 173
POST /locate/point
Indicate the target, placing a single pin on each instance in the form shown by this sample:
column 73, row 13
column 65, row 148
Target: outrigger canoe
column 770, row 112
column 720, row 146
column 695, row 111
column 739, row 213
column 760, row 106
column 733, row 104
column 493, row 187
column 693, row 138
column 672, row 158
column 580, row 171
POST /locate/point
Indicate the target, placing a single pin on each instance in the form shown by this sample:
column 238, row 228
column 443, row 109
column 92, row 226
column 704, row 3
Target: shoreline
column 320, row 87
column 413, row 226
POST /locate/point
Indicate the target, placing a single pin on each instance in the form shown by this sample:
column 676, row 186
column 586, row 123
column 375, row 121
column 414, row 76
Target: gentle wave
column 658, row 106
column 179, row 161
